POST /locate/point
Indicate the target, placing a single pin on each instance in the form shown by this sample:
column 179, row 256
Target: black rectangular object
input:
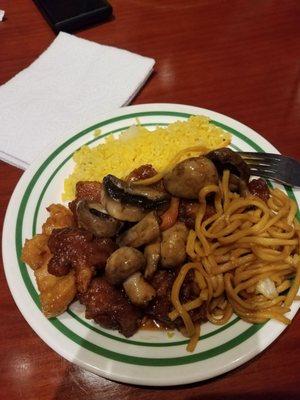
column 71, row 15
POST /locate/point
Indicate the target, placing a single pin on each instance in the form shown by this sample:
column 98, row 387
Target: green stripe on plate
column 148, row 344
column 157, row 362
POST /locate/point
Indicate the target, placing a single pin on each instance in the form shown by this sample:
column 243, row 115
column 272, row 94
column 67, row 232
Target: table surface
column 240, row 58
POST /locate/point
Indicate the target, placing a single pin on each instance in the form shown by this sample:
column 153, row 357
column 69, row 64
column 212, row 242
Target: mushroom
column 92, row 217
column 236, row 184
column 188, row 177
column 173, row 245
column 138, row 290
column 231, row 160
column 152, row 254
column 122, row 263
column 123, row 212
column 145, row 197
column 142, row 233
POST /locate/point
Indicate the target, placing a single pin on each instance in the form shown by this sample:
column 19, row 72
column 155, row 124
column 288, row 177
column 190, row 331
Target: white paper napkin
column 64, row 91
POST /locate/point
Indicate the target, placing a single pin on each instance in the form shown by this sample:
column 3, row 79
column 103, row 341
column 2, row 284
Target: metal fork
column 277, row 167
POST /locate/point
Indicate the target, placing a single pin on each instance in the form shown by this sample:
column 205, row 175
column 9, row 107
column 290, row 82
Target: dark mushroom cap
column 226, row 159
column 144, row 197
column 92, row 217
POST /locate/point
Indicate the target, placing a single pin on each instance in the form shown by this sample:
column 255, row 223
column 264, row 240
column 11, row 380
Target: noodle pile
column 244, row 258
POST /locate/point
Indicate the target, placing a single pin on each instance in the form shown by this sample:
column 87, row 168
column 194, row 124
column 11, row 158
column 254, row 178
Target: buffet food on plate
column 167, row 228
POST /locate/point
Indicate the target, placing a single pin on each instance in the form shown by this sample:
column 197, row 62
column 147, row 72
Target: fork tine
column 260, row 172
column 249, row 154
column 274, row 177
column 266, row 175
column 259, row 153
column 260, row 164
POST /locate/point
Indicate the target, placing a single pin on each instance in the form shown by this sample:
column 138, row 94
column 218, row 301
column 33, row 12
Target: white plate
column 147, row 358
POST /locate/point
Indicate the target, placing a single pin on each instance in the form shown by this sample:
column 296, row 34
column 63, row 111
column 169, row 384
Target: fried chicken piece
column 77, row 248
column 143, row 172
column 60, row 217
column 188, row 211
column 110, row 307
column 86, row 190
column 89, row 190
column 56, row 293
column 35, row 251
column 190, row 291
column 259, row 188
column 160, row 307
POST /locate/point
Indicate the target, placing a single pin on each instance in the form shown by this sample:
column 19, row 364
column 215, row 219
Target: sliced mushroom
column 122, row 263
column 145, row 197
column 92, row 217
column 188, row 177
column 228, row 159
column 138, row 290
column 152, row 254
column 142, row 233
column 123, row 212
column 236, row 184
column 173, row 245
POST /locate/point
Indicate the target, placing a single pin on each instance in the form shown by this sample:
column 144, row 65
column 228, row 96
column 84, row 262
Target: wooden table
column 240, row 58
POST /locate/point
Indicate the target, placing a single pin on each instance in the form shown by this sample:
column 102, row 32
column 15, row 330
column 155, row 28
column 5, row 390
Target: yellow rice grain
column 137, row 146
